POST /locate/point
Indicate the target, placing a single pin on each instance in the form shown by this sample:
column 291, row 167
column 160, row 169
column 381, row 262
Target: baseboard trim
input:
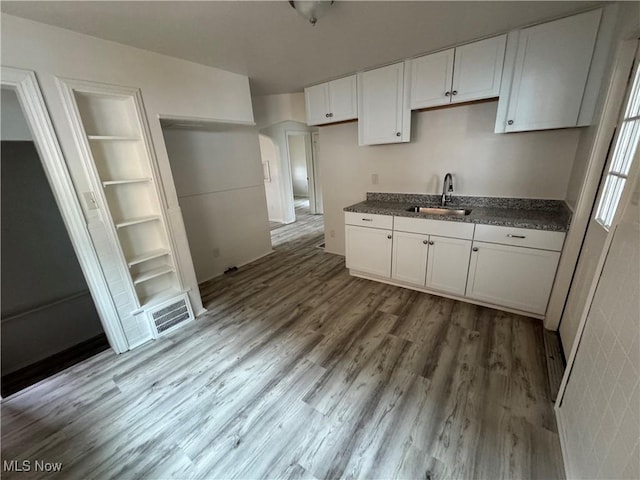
column 202, row 283
column 562, row 434
column 25, row 377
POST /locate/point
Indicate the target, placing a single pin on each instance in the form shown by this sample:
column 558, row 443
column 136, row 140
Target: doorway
column 619, row 166
column 49, row 319
column 303, row 161
column 290, row 161
column 301, row 167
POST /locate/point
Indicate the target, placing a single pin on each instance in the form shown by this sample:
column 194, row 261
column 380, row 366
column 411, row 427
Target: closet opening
column 219, row 184
column 49, row 319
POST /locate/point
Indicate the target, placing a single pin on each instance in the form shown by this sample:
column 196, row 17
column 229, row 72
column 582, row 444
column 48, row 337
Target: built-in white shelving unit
column 116, row 138
column 111, row 128
column 107, row 138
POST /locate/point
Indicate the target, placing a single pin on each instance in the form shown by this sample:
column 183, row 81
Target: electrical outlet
column 374, row 179
column 216, row 252
column 332, row 233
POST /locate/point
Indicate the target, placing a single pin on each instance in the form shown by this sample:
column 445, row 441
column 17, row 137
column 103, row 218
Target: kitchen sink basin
column 439, row 211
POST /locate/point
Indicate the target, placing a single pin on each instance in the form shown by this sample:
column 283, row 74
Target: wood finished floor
column 299, row 371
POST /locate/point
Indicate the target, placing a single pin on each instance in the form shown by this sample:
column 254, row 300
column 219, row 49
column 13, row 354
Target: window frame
column 624, row 148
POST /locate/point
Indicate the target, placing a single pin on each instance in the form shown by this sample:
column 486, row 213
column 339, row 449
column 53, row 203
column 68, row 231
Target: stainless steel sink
column 439, row 210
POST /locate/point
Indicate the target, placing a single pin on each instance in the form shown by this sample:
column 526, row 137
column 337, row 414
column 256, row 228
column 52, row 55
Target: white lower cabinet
column 438, row 263
column 410, row 252
column 498, row 266
column 368, row 250
column 510, row 276
column 448, row 264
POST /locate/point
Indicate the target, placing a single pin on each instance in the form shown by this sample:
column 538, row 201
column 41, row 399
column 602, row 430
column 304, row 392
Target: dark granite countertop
column 552, row 215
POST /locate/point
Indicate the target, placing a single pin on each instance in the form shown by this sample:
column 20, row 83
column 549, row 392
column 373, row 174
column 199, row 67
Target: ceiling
column 277, row 48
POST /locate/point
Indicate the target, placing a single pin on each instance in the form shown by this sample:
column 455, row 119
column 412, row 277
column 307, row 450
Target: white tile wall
column 600, row 411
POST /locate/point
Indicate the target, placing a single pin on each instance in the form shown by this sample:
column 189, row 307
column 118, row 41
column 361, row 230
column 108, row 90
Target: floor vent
column 167, row 316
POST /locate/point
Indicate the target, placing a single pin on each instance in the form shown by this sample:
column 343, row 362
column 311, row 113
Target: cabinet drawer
column 521, row 237
column 428, row 226
column 368, row 220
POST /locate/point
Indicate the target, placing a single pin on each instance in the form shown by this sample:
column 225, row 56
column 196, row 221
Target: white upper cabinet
column 470, row 72
column 333, row 101
column 343, row 99
column 431, row 79
column 477, row 70
column 384, row 115
column 545, row 74
column 317, row 104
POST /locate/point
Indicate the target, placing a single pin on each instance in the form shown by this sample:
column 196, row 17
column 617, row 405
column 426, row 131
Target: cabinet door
column 515, row 277
column 383, row 113
column 409, row 263
column 431, row 79
column 343, row 100
column 317, row 104
column 448, row 264
column 368, row 250
column 549, row 74
column 478, row 69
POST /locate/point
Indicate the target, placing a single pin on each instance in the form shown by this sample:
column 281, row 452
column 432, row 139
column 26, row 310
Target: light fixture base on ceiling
column 312, row 10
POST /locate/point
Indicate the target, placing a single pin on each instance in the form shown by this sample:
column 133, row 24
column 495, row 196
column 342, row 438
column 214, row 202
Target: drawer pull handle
column 426, row 242
column 510, row 235
column 389, row 237
column 431, row 242
column 367, row 219
column 475, row 249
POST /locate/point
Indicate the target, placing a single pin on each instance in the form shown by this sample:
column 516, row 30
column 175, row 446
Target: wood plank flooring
column 299, row 371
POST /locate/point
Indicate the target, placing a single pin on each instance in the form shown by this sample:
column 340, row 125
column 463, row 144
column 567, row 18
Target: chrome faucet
column 447, row 189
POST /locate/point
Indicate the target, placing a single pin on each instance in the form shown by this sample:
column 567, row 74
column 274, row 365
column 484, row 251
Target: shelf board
column 112, row 138
column 156, row 272
column 148, row 256
column 136, row 221
column 125, row 182
column 160, row 297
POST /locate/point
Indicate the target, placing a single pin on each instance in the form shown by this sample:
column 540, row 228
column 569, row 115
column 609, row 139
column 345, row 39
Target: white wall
column 170, row 87
column 271, row 109
column 298, row 157
column 272, row 185
column 218, row 177
column 459, row 140
column 599, row 417
column 14, row 126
